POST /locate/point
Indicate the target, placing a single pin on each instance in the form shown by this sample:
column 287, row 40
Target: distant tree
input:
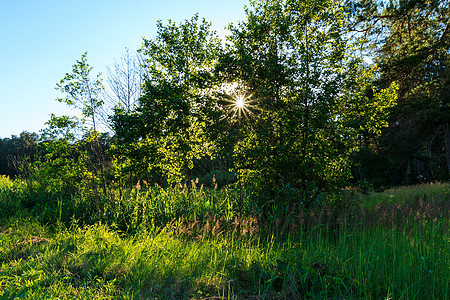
column 82, row 90
column 17, row 154
column 124, row 85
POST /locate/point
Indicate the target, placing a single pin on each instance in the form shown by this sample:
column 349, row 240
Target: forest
column 306, row 156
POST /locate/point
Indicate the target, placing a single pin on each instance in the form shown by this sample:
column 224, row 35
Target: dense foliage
column 287, row 107
column 410, row 42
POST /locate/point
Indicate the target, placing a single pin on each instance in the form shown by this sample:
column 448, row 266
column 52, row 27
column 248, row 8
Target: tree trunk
column 447, row 145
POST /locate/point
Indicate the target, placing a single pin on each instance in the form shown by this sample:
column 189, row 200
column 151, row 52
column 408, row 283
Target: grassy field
column 390, row 245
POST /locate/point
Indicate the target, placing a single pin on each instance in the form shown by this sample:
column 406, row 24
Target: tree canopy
column 288, row 103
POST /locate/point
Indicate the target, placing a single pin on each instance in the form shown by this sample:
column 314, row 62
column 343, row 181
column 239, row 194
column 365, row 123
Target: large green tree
column 165, row 133
column 304, row 88
column 288, row 97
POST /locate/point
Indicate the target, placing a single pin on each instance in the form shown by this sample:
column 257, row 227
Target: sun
column 240, row 102
column 240, row 106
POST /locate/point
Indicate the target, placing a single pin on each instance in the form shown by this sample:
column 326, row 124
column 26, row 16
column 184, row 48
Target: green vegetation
column 246, row 169
column 195, row 244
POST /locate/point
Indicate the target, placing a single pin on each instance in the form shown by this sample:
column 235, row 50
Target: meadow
column 198, row 243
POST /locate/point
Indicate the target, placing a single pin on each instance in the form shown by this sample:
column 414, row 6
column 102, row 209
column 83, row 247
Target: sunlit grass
column 203, row 254
column 97, row 261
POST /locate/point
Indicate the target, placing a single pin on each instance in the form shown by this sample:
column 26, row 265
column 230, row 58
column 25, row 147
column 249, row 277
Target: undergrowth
column 391, row 245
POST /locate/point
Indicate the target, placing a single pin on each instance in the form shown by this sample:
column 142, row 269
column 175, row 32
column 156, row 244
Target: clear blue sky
column 40, row 40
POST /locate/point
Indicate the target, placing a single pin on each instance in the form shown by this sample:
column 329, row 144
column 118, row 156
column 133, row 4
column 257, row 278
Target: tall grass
column 97, row 261
column 180, row 243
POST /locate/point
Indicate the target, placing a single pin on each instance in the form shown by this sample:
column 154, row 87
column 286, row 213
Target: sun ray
column 239, row 102
column 241, row 106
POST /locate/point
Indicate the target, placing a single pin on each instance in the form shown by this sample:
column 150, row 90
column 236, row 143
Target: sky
column 40, row 40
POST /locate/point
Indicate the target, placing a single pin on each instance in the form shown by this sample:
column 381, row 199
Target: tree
column 297, row 63
column 82, row 91
column 17, row 154
column 165, row 132
column 412, row 42
column 125, row 80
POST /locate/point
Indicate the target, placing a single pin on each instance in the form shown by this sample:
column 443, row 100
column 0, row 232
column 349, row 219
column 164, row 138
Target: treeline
column 14, row 150
column 21, row 156
column 289, row 104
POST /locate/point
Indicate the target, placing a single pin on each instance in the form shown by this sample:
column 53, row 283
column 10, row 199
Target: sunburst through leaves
column 240, row 104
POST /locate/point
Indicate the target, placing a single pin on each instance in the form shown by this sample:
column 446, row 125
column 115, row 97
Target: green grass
column 97, row 261
column 437, row 191
column 381, row 256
